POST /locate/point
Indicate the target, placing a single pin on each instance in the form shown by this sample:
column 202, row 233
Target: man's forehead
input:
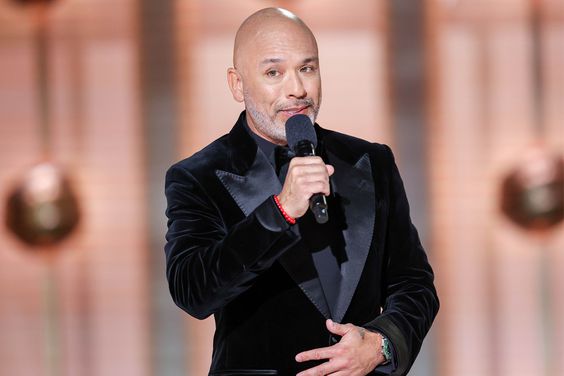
column 282, row 43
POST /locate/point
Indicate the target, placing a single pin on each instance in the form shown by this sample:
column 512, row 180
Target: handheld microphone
column 302, row 140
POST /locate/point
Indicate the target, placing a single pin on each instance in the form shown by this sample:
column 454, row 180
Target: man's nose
column 295, row 86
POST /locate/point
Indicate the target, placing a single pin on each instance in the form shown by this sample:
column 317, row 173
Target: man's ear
column 235, row 82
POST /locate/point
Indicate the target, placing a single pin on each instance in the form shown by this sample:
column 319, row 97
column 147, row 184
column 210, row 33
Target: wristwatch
column 386, row 349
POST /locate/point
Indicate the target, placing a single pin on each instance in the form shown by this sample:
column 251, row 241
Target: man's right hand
column 306, row 177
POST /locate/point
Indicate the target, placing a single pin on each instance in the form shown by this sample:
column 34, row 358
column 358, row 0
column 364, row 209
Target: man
column 290, row 296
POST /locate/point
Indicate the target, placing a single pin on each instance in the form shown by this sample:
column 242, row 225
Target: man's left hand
column 356, row 354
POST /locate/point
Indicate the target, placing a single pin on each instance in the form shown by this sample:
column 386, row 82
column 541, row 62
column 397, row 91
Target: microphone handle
column 317, row 202
column 318, row 206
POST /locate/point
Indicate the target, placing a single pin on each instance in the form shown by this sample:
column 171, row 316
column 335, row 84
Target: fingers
column 326, row 368
column 310, row 166
column 356, row 353
column 312, row 178
column 326, row 352
column 307, row 160
column 306, row 176
column 316, row 354
column 338, row 329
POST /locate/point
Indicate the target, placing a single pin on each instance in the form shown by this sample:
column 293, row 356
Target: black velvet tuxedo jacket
column 230, row 253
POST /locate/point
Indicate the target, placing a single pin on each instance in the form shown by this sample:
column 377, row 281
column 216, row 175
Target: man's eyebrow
column 275, row 60
column 313, row 59
column 271, row 60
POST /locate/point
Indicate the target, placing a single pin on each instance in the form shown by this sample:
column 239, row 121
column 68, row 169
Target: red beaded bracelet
column 287, row 217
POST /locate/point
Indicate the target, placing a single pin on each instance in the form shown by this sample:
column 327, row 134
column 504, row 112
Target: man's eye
column 272, row 73
column 308, row 69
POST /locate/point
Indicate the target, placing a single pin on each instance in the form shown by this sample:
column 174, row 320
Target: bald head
column 262, row 23
column 276, row 72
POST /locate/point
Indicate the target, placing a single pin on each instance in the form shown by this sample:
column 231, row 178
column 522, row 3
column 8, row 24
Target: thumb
column 336, row 328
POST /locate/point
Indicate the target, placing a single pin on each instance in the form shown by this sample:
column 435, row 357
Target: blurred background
column 99, row 97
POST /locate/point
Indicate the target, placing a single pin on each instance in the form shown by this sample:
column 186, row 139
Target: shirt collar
column 267, row 147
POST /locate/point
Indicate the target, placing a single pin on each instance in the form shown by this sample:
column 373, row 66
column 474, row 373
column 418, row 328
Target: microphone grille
column 300, row 128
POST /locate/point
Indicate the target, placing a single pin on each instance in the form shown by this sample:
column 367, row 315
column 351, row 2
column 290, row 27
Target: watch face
column 386, row 351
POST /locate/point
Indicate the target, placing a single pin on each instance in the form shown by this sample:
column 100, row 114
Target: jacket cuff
column 261, row 239
column 390, row 330
column 270, row 217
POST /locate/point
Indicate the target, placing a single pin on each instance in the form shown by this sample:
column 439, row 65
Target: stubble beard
column 269, row 126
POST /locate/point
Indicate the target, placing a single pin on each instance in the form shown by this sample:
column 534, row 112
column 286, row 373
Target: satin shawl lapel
column 250, row 179
column 251, row 189
column 354, row 188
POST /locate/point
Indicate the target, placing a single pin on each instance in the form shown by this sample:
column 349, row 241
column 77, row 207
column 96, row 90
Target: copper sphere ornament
column 42, row 209
column 533, row 193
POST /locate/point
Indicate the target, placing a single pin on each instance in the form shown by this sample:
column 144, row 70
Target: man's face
column 280, row 77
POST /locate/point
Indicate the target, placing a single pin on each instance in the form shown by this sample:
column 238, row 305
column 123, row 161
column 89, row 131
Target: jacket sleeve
column 411, row 301
column 208, row 264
